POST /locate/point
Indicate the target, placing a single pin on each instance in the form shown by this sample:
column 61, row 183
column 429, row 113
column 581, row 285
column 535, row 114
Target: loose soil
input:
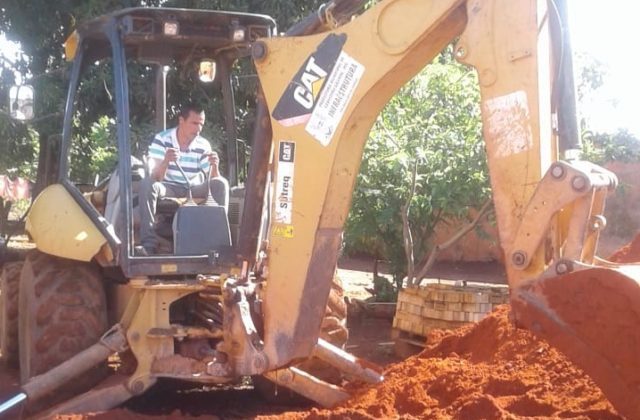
column 488, row 370
column 629, row 253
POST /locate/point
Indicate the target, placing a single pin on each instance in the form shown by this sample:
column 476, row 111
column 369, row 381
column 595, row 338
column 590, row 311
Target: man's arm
column 159, row 157
column 159, row 167
column 210, row 159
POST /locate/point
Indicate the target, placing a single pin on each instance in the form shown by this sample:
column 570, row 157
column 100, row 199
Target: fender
column 60, row 226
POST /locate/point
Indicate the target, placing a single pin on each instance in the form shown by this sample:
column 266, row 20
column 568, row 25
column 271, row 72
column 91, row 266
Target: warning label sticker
column 335, row 98
column 284, row 231
column 284, row 182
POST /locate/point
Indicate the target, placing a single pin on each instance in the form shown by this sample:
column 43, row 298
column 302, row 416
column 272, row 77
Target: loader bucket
column 593, row 316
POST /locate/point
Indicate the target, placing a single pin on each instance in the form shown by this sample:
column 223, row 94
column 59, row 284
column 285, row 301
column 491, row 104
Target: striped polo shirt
column 192, row 160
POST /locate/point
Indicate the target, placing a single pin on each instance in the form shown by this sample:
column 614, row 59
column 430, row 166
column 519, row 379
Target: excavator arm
column 324, row 92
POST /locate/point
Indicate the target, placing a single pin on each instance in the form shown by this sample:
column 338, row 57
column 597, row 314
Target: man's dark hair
column 189, row 108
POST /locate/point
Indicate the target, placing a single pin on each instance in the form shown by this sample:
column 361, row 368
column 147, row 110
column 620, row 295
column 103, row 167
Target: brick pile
column 446, row 305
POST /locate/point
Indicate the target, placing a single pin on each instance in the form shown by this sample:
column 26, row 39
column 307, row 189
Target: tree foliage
column 600, row 148
column 434, row 123
column 41, row 27
column 590, row 76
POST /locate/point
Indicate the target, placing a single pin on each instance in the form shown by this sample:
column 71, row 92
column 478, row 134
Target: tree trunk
column 48, row 162
column 450, row 242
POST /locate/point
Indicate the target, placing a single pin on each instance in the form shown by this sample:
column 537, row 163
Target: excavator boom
column 324, row 93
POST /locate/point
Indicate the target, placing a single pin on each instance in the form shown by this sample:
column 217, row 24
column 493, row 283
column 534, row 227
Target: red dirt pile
column 121, row 414
column 485, row 371
column 629, row 253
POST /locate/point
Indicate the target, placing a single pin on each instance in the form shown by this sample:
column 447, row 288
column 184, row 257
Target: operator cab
column 150, row 62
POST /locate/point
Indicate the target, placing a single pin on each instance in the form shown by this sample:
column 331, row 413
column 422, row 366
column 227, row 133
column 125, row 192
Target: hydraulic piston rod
column 111, row 342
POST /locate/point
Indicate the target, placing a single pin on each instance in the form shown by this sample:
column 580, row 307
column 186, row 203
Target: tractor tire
column 9, row 287
column 334, row 330
column 63, row 311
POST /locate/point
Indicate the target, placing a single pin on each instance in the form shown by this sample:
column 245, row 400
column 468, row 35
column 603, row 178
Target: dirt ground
column 488, row 370
column 370, row 338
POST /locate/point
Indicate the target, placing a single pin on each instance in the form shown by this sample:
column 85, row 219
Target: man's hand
column 171, row 155
column 214, row 161
column 159, row 167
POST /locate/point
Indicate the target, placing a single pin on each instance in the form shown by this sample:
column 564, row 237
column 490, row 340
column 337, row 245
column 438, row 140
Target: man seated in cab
column 182, row 145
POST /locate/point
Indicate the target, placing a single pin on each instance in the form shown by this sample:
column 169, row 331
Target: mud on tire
column 63, row 311
column 9, row 287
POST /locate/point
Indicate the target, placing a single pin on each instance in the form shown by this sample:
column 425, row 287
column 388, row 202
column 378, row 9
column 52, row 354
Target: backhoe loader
column 258, row 303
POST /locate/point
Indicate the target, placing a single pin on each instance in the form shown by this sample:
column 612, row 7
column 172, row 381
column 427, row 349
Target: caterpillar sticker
column 284, row 182
column 299, row 99
column 321, row 90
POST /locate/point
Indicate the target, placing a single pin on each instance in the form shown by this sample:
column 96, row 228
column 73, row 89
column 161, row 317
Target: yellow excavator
column 263, row 301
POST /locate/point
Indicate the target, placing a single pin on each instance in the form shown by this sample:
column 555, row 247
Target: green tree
column 601, row 147
column 620, row 146
column 591, row 75
column 432, row 126
column 40, row 28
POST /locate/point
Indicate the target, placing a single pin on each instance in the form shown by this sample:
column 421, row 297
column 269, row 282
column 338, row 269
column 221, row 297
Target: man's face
column 192, row 125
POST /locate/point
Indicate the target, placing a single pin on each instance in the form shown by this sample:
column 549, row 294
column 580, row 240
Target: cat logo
column 287, row 150
column 299, row 99
column 312, row 81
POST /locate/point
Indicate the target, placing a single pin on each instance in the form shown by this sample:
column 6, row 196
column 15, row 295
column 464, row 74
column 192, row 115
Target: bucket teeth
column 324, row 393
column 297, row 380
column 347, row 363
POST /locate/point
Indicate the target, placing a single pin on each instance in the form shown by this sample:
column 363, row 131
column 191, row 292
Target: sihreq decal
column 284, row 182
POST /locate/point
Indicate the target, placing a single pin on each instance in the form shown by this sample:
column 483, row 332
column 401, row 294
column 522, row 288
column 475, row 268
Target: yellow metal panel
column 505, row 40
column 508, row 44
column 317, row 196
column 406, row 14
column 60, row 227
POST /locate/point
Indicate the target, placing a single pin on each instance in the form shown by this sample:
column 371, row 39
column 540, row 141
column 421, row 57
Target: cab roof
column 199, row 33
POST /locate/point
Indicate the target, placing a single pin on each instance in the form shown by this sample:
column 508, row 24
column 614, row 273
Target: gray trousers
column 150, row 191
